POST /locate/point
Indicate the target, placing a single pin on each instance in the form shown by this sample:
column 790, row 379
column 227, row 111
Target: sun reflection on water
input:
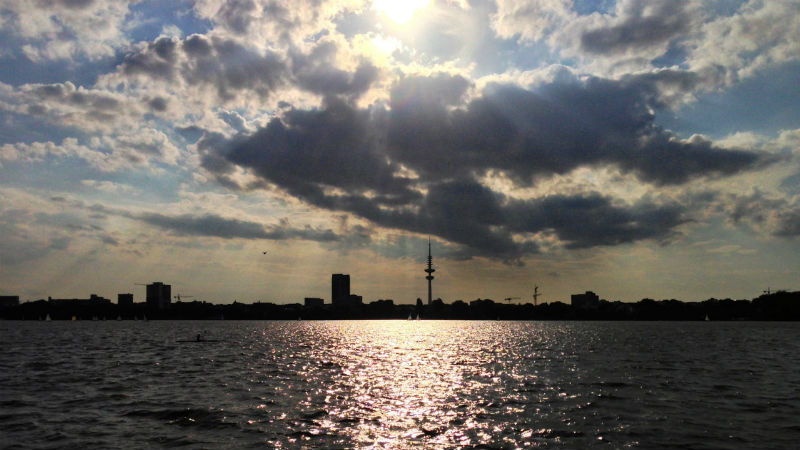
column 404, row 383
column 436, row 385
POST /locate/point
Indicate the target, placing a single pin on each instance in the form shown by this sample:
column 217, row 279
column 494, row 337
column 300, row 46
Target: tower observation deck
column 430, row 271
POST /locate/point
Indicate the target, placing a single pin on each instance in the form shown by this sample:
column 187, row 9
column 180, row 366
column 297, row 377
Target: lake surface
column 400, row 384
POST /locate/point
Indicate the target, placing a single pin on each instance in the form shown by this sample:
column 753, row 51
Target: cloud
column 22, row 243
column 758, row 36
column 638, row 26
column 414, row 166
column 66, row 104
column 109, row 187
column 273, row 21
column 531, row 20
column 317, row 72
column 226, row 66
column 106, row 154
column 309, row 150
column 591, row 220
column 778, row 216
column 627, row 38
column 216, row 226
column 720, row 47
column 34, row 228
column 210, row 71
column 553, row 130
column 145, row 145
column 64, row 29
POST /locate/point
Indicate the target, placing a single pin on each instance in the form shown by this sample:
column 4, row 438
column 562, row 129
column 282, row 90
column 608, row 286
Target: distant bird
column 264, row 253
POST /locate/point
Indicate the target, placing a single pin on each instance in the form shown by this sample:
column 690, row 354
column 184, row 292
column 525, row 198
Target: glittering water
column 399, row 384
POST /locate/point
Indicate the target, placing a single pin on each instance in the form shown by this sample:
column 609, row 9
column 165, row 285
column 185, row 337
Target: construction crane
column 536, row 295
column 508, row 299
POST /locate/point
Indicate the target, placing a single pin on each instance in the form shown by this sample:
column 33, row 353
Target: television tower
column 430, row 271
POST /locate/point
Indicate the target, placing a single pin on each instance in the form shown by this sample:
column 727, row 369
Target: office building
column 340, row 289
column 159, row 295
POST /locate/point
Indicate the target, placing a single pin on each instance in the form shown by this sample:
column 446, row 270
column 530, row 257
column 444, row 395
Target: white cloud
column 106, row 153
column 110, row 187
column 760, row 35
column 66, row 104
column 269, row 22
column 530, row 20
column 145, row 144
column 59, row 29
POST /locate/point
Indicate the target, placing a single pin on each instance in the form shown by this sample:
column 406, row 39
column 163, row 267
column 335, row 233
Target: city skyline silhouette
column 237, row 157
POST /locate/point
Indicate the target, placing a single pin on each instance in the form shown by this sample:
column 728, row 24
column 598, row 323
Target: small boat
column 198, row 338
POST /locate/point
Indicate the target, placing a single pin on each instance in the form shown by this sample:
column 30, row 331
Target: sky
column 246, row 150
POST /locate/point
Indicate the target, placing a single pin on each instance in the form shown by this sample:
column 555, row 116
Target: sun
column 399, row 11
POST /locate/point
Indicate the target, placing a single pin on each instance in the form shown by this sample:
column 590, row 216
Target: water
column 400, row 384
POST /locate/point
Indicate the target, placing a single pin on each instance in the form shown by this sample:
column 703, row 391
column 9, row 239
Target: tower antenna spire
column 430, row 271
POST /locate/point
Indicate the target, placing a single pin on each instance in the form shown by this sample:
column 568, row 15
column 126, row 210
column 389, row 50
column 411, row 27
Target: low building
column 93, row 299
column 311, row 302
column 588, row 300
column 125, row 300
column 9, row 301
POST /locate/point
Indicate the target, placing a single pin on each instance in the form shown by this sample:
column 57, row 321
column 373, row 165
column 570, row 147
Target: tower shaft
column 429, row 270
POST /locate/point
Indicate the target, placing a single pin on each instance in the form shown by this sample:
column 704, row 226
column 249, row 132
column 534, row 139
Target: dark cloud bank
column 209, row 224
column 415, row 165
column 226, row 228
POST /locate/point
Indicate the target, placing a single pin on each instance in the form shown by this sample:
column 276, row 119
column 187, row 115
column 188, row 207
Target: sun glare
column 399, row 11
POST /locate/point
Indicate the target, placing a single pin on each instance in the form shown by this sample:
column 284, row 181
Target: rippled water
column 399, row 384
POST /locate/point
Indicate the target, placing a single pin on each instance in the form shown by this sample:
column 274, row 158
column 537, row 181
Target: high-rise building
column 340, row 289
column 159, row 295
